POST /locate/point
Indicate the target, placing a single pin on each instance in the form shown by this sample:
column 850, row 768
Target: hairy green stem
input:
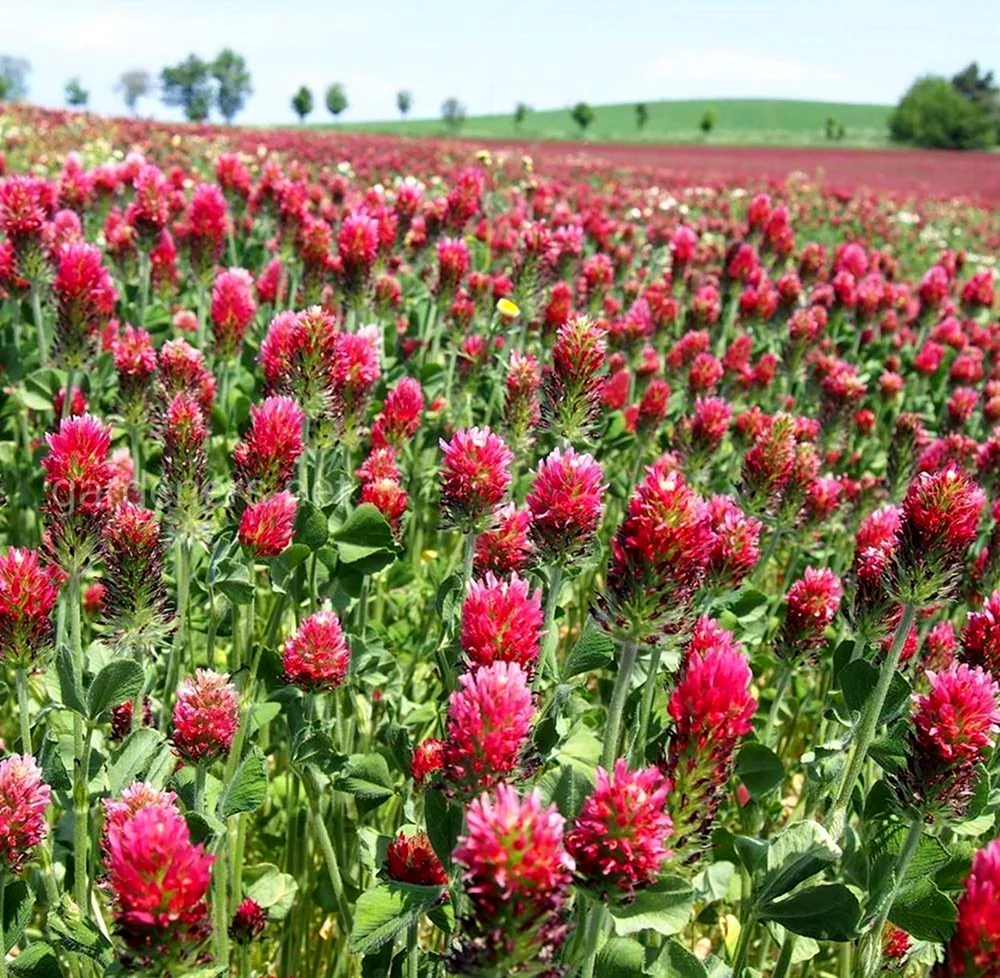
column 43, row 343
column 646, row 708
column 616, row 708
column 412, row 951
column 743, row 944
column 81, row 799
column 326, row 847
column 595, row 927
column 785, row 957
column 550, row 659
column 868, row 726
column 871, row 957
column 21, row 682
column 780, row 686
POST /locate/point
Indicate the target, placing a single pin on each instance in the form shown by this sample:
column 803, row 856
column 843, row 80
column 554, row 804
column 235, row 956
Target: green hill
column 777, row 122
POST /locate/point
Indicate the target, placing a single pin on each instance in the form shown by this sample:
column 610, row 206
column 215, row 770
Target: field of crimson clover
column 419, row 564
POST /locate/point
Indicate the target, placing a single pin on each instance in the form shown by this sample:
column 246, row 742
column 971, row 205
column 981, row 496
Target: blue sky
column 548, row 53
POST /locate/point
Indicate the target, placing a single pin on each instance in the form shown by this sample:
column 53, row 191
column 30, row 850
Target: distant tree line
column 960, row 113
column 935, row 112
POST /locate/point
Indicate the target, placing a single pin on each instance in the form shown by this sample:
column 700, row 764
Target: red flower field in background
column 553, row 560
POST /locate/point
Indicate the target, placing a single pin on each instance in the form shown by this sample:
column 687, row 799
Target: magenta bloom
column 158, row 880
column 206, row 716
column 183, row 371
column 489, row 723
column 85, row 299
column 29, row 590
column 505, row 548
column 501, row 622
column 24, row 799
column 265, row 459
column 811, row 604
column 940, row 521
column 267, row 527
column 297, row 357
column 566, row 504
column 354, row 370
column 712, row 709
column 514, row 864
column 316, row 657
column 76, row 468
column 953, row 726
column 975, row 948
column 575, row 384
column 400, row 417
column 660, row 554
column 736, row 543
column 206, row 227
column 357, row 248
column 233, row 309
column 475, row 476
column 981, row 637
column 618, row 839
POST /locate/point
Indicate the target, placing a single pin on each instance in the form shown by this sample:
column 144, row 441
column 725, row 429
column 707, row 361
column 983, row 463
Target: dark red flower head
column 475, row 476
column 316, row 657
column 411, row 859
column 206, row 716
column 267, row 527
column 566, row 504
column 501, row 622
column 618, row 840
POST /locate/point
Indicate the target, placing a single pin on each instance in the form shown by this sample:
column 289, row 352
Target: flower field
column 418, row 561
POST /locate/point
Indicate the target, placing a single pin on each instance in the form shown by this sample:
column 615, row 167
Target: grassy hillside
column 782, row 122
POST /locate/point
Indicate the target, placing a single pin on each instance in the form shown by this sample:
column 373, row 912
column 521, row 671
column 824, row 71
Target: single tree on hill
column 234, row 83
column 834, row 130
column 583, row 115
column 302, row 103
column 188, row 86
column 453, row 113
column 641, row 116
column 404, row 102
column 336, row 99
column 520, row 114
column 708, row 119
column 76, row 95
column 134, row 85
column 13, row 78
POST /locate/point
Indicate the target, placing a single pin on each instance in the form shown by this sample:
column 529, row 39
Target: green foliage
column 134, row 85
column 834, row 130
column 708, row 120
column 453, row 113
column 404, row 101
column 641, row 115
column 302, row 103
column 13, row 78
column 583, row 115
column 934, row 115
column 520, row 114
column 233, row 83
column 76, row 95
column 336, row 99
column 188, row 86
